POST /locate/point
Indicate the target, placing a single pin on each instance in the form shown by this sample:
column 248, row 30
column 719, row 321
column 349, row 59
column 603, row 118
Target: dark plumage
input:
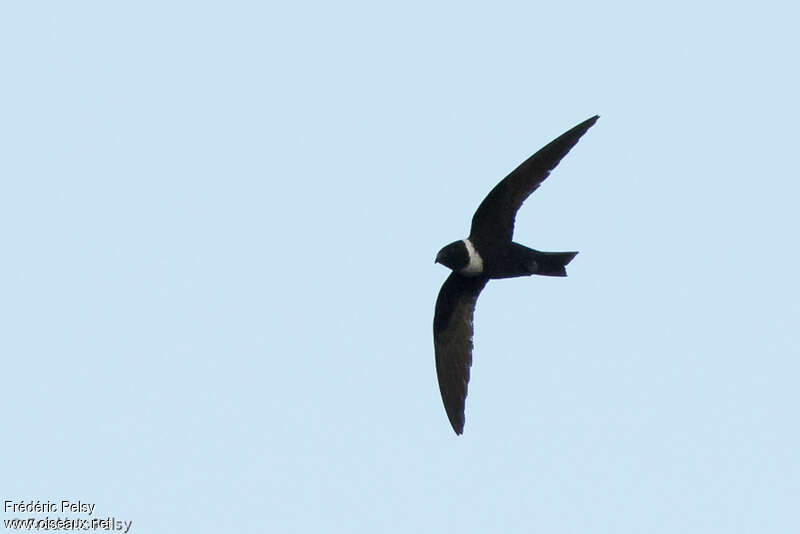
column 490, row 253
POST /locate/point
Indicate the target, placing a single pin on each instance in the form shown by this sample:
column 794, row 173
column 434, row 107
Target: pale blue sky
column 219, row 222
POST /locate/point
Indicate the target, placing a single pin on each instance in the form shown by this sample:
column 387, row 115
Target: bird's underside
column 489, row 253
column 514, row 260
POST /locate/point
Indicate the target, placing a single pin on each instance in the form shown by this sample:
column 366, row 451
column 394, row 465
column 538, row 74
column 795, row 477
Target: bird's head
column 454, row 256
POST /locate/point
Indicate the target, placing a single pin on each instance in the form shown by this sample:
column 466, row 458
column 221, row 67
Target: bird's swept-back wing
column 494, row 219
column 452, row 340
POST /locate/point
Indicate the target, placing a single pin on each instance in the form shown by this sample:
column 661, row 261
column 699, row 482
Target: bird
column 489, row 253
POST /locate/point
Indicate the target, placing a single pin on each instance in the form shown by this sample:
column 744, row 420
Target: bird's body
column 505, row 260
column 489, row 253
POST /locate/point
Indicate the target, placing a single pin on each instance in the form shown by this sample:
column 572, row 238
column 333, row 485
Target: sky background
column 218, row 224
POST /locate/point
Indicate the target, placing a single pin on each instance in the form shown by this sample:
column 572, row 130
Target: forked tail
column 553, row 263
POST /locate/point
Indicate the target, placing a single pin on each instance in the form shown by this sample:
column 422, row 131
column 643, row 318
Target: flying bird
column 489, row 253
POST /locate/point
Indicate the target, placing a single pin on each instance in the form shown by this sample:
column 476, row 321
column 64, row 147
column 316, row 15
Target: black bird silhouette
column 490, row 253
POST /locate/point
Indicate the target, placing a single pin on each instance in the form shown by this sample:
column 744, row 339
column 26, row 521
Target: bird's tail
column 553, row 263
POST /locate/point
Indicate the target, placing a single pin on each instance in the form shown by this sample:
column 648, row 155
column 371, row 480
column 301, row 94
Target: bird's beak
column 436, row 260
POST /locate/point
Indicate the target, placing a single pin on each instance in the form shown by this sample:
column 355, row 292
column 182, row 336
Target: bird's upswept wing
column 493, row 221
column 452, row 339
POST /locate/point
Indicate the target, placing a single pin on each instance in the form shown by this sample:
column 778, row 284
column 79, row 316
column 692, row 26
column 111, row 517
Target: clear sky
column 218, row 226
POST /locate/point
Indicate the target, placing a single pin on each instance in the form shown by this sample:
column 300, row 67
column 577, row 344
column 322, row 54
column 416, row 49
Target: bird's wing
column 493, row 221
column 452, row 340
